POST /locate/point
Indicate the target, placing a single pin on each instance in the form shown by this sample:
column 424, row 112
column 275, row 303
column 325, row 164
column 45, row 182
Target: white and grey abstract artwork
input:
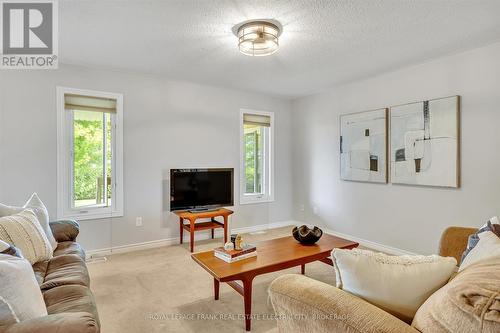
column 424, row 143
column 363, row 146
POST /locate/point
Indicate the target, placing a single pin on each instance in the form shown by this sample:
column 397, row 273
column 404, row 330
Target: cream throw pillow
column 397, row 284
column 488, row 246
column 24, row 232
column 34, row 203
column 21, row 298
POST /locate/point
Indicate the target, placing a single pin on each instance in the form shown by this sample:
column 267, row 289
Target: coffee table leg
column 191, row 234
column 216, row 289
column 303, row 269
column 247, row 299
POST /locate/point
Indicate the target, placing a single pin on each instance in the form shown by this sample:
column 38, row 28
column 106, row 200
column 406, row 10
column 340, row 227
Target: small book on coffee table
column 235, row 255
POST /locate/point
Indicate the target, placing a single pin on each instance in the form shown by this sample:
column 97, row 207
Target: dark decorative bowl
column 307, row 236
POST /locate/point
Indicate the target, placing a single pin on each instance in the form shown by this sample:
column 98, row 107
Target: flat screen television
column 201, row 189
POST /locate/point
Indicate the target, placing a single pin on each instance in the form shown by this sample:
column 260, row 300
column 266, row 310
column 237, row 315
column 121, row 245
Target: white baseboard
column 219, row 233
column 175, row 240
column 260, row 227
column 371, row 245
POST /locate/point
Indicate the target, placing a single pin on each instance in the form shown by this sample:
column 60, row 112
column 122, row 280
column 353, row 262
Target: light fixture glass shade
column 258, row 38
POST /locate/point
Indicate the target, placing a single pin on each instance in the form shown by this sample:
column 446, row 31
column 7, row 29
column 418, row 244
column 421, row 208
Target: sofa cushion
column 470, row 302
column 70, row 298
column 40, row 269
column 70, row 322
column 69, row 248
column 67, row 269
column 64, row 249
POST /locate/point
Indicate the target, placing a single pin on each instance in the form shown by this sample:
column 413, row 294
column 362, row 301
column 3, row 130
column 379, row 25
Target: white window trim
column 268, row 196
column 64, row 200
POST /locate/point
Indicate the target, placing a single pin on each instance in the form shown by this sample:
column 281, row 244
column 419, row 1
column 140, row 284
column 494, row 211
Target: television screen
column 200, row 188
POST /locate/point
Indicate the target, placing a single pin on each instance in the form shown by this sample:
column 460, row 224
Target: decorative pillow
column 34, row 203
column 397, row 284
column 470, row 302
column 488, row 246
column 6, row 248
column 21, row 296
column 492, row 225
column 23, row 231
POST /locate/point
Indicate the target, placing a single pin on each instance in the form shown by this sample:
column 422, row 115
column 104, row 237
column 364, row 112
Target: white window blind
column 256, row 120
column 89, row 103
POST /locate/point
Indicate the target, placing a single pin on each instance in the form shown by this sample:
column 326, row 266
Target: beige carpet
column 164, row 290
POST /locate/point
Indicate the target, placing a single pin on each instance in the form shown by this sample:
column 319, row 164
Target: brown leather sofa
column 65, row 285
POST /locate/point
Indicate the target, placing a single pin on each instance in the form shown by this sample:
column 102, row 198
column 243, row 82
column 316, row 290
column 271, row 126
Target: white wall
column 167, row 124
column 406, row 217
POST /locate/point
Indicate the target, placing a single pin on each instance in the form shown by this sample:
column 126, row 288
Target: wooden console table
column 212, row 224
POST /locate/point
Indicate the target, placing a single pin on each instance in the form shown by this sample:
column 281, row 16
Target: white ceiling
column 324, row 42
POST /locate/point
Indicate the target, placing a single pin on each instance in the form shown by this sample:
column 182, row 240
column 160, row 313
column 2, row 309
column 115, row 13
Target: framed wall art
column 363, row 146
column 425, row 142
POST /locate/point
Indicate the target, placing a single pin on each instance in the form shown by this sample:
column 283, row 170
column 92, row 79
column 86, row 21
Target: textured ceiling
column 324, row 42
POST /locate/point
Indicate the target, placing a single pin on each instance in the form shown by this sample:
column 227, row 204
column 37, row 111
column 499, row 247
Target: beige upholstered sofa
column 65, row 285
column 470, row 302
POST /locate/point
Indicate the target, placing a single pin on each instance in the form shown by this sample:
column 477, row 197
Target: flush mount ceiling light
column 258, row 38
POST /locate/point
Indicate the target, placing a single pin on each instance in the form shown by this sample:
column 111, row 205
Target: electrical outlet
column 315, row 210
column 302, row 208
column 138, row 221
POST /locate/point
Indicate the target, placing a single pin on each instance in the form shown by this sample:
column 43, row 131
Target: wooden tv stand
column 210, row 225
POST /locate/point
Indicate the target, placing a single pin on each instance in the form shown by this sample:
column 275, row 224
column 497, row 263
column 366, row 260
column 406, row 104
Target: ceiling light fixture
column 258, row 38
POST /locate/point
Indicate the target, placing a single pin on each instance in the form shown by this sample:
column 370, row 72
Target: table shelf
column 204, row 225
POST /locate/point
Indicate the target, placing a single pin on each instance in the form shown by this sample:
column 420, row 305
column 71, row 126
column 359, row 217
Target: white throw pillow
column 34, row 203
column 24, row 232
column 21, row 298
column 492, row 225
column 397, row 284
column 488, row 246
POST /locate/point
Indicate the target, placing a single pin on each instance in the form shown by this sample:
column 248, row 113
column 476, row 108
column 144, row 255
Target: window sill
column 91, row 216
column 247, row 201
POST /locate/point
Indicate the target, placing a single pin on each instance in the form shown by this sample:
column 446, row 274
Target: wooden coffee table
column 272, row 255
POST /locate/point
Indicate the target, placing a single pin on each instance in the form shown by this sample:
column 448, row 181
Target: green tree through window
column 253, row 159
column 91, row 158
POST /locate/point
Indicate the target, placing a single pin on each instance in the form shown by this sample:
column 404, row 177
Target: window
column 90, row 162
column 257, row 156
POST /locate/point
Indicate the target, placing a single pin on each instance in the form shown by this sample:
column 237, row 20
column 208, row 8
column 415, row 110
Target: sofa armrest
column 302, row 304
column 65, row 230
column 74, row 322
